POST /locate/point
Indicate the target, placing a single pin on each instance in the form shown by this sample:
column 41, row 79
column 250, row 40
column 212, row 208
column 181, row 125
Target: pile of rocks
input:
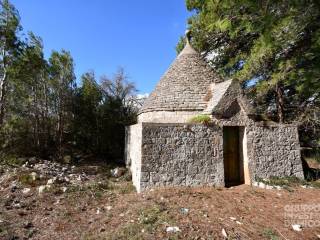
column 54, row 172
column 266, row 186
column 45, row 174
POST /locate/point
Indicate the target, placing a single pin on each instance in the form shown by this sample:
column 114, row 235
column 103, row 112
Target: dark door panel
column 231, row 156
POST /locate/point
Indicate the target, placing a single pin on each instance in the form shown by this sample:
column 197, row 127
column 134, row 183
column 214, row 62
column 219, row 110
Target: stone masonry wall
column 167, row 116
column 133, row 152
column 274, row 151
column 178, row 154
column 181, row 155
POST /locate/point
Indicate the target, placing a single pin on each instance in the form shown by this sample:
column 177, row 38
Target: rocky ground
column 45, row 200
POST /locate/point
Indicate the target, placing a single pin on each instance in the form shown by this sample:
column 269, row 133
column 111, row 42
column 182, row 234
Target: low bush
column 12, row 160
column 204, row 119
column 290, row 182
column 270, row 234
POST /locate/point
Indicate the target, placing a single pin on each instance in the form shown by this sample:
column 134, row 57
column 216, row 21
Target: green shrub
column 127, row 188
column 316, row 154
column 129, row 231
column 12, row 160
column 312, row 154
column 315, row 184
column 25, row 178
column 270, row 234
column 282, row 181
column 202, row 118
column 287, row 182
column 151, row 218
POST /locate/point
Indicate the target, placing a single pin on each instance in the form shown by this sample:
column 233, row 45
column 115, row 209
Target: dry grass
column 108, row 208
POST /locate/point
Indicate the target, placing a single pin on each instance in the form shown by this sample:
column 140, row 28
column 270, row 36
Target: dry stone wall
column 133, row 152
column 274, row 151
column 167, row 116
column 181, row 155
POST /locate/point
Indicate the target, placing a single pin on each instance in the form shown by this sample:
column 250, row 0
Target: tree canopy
column 44, row 112
column 272, row 47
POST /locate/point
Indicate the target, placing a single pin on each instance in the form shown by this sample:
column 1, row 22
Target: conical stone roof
column 184, row 86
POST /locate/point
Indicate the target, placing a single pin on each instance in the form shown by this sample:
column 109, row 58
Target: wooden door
column 231, row 156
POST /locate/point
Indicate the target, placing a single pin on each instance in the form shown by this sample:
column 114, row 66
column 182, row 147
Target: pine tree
column 272, row 47
column 9, row 49
column 62, row 84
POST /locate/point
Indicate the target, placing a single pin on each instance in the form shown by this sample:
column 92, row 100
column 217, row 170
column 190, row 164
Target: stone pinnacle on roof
column 185, row 84
column 188, row 49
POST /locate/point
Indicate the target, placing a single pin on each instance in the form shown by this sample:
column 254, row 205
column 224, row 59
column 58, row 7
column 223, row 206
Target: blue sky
column 104, row 34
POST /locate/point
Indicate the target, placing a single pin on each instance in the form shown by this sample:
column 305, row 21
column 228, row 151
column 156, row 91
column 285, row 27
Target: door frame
column 242, row 157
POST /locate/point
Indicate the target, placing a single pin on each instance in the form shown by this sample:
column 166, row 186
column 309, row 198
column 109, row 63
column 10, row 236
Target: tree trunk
column 60, row 120
column 3, row 83
column 280, row 103
column 37, row 117
column 46, row 133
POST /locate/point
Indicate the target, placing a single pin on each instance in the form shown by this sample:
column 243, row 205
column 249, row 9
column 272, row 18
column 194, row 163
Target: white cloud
column 142, row 95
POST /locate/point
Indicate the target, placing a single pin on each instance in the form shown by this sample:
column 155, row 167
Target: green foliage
column 270, row 234
column 150, row 215
column 86, row 109
column 12, row 160
column 26, row 179
column 287, row 182
column 42, row 111
column 272, row 47
column 9, row 50
column 128, row 231
column 102, row 112
column 203, row 119
column 154, row 216
column 127, row 188
column 312, row 155
column 180, row 44
column 9, row 27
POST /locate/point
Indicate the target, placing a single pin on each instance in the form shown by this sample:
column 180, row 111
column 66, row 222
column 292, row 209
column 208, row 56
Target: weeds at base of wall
column 287, row 182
